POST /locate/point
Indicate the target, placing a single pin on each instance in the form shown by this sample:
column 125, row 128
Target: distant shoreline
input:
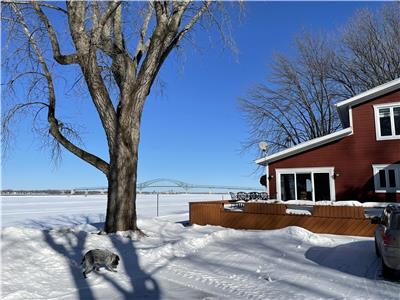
column 72, row 192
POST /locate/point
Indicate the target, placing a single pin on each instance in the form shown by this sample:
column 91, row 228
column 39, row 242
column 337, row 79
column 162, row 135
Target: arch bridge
column 171, row 183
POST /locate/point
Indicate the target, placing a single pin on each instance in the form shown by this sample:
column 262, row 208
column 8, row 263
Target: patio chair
column 254, row 196
column 233, row 196
column 243, row 196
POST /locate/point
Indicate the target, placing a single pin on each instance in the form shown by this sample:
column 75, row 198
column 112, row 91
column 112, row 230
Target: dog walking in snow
column 96, row 258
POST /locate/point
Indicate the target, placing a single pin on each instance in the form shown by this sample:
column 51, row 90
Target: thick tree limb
column 194, row 20
column 42, row 4
column 91, row 70
column 142, row 47
column 107, row 14
column 61, row 59
column 55, row 126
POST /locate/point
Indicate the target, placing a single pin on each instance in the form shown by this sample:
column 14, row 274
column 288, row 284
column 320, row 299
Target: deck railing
column 345, row 220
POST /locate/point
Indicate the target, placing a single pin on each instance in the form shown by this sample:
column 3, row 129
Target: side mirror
column 376, row 220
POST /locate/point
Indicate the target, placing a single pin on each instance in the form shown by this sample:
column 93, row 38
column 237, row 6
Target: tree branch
column 87, row 49
column 110, row 10
column 47, row 5
column 141, row 47
column 193, row 21
column 61, row 59
column 53, row 122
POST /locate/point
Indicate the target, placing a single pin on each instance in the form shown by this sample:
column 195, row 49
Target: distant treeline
column 49, row 192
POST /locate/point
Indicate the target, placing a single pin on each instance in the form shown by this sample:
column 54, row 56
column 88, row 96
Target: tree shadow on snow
column 73, row 253
column 63, row 221
column 355, row 258
column 141, row 285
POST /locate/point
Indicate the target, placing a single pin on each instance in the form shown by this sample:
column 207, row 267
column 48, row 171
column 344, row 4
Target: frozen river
column 54, row 211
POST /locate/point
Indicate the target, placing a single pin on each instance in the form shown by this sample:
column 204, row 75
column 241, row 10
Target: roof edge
column 305, row 146
column 372, row 93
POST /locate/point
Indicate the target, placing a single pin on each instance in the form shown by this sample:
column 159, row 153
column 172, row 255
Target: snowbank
column 197, row 262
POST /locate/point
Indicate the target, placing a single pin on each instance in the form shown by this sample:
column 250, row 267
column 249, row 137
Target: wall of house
column 352, row 156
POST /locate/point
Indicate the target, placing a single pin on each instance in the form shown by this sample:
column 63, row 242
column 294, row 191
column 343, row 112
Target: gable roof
column 343, row 108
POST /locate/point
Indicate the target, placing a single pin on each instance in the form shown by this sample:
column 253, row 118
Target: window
column 387, row 121
column 314, row 184
column 382, row 179
column 387, row 178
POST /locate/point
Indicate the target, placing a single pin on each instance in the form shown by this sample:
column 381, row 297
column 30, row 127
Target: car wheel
column 386, row 271
column 377, row 250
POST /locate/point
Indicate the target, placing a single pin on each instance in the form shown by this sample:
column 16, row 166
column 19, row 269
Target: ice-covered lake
column 54, row 211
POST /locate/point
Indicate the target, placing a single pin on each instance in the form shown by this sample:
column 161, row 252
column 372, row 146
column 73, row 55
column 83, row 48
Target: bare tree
column 118, row 71
column 297, row 103
column 368, row 50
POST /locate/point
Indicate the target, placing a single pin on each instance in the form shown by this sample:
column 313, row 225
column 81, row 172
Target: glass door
column 304, row 186
column 322, row 188
column 288, row 187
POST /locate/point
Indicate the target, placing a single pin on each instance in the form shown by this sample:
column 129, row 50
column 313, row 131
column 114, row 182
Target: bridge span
column 162, row 183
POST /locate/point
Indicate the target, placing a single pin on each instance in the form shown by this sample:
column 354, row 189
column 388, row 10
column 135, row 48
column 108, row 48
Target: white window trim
column 377, row 168
column 378, row 124
column 330, row 170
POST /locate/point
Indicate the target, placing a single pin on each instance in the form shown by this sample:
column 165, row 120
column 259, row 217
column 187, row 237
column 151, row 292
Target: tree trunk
column 121, row 204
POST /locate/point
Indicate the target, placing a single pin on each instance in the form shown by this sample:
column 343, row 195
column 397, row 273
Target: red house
column 360, row 162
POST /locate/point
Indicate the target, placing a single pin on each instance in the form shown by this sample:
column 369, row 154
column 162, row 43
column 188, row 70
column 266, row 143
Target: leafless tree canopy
column 297, row 102
column 114, row 51
column 369, row 50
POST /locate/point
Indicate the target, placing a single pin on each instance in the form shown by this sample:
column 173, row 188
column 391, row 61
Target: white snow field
column 55, row 211
column 178, row 262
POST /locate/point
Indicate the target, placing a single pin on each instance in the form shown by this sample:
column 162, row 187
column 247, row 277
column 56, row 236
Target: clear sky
column 193, row 131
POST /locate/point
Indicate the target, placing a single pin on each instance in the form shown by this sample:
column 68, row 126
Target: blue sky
column 193, row 131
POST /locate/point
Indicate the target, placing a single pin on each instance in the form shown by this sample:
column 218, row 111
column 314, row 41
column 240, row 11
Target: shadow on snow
column 72, row 247
column 355, row 258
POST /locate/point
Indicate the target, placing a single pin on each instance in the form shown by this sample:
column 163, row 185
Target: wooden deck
column 344, row 220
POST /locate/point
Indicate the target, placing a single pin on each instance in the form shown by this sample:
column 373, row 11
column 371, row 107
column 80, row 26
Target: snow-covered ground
column 178, row 262
column 55, row 211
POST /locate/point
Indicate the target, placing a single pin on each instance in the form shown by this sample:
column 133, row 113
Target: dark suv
column 387, row 239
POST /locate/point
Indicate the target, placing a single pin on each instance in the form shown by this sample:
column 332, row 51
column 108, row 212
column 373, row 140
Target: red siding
column 352, row 156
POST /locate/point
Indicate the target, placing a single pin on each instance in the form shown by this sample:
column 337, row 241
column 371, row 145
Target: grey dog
column 96, row 258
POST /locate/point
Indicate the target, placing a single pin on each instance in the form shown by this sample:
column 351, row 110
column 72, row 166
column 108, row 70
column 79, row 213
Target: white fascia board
column 305, row 146
column 372, row 93
column 380, row 90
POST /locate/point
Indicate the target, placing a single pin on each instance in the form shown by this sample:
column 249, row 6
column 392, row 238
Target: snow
column 292, row 211
column 51, row 211
column 41, row 260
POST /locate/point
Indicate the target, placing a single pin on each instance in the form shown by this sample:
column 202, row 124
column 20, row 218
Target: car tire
column 386, row 271
column 377, row 250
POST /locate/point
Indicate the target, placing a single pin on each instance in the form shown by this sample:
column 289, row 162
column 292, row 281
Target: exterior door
column 304, row 186
column 322, row 186
column 315, row 184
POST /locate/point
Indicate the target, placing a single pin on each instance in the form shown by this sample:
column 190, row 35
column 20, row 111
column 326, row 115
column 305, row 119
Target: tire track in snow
column 241, row 286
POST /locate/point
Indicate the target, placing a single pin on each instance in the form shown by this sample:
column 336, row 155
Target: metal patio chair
column 264, row 196
column 254, row 196
column 233, row 196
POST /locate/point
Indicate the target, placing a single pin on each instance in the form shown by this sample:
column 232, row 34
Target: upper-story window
column 387, row 121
